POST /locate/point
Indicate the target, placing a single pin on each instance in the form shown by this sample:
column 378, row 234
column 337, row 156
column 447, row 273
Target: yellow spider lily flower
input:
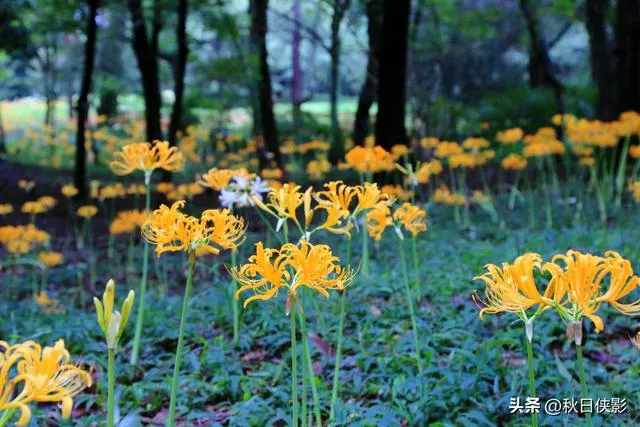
column 284, row 203
column 47, row 376
column 293, row 266
column 6, row 209
column 512, row 287
column 171, row 230
column 622, row 283
column 514, row 162
column 33, row 208
column 69, row 190
column 87, row 211
column 111, row 322
column 147, row 157
column 48, row 201
column 127, row 222
column 412, row 218
column 218, row 179
column 50, row 259
column 580, row 280
column 378, row 219
column 370, row 196
column 337, row 193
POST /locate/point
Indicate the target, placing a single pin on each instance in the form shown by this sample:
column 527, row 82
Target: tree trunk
column 336, row 151
column 80, row 175
column 147, row 57
column 297, row 77
column 369, row 89
column 628, row 55
column 180, row 68
column 601, row 57
column 392, row 74
column 540, row 68
column 265, row 97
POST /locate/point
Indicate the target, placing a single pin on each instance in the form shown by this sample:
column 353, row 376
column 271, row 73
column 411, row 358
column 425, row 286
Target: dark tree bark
column 392, row 74
column 266, row 120
column 179, row 68
column 80, row 175
column 628, row 55
column 297, row 77
column 340, row 7
column 601, row 58
column 369, row 89
column 540, row 68
column 146, row 52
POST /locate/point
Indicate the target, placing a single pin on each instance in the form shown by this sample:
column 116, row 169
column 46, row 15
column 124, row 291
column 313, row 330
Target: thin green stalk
column 547, row 191
column 336, row 366
column 111, row 389
column 601, row 204
column 514, row 191
column 532, row 383
column 6, row 416
column 234, row 302
column 303, row 409
column 414, row 254
column 414, row 324
column 143, row 285
column 583, row 385
column 183, row 322
column 311, row 376
column 365, row 249
column 532, row 216
column 294, row 368
column 621, row 173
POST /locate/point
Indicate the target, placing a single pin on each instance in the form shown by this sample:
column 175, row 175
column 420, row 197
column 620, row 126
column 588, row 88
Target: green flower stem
column 311, row 375
column 530, row 204
column 294, row 368
column 532, row 383
column 336, row 365
column 414, row 324
column 6, row 416
column 601, row 204
column 621, row 173
column 583, row 385
column 111, row 389
column 183, row 322
column 234, row 302
column 303, row 406
column 365, row 249
column 547, row 193
column 514, row 192
column 143, row 285
column 414, row 254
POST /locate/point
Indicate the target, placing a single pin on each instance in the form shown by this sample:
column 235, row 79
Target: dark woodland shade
column 390, row 127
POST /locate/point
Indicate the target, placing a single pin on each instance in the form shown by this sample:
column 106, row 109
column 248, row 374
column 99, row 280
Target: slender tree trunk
column 392, row 74
column 297, row 78
column 265, row 93
column 368, row 92
column 340, row 7
column 540, row 68
column 146, row 53
column 80, row 175
column 601, row 57
column 180, row 69
column 628, row 55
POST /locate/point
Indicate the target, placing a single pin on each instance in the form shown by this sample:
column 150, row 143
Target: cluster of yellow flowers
column 544, row 142
column 410, row 217
column 444, row 196
column 20, row 239
column 369, row 159
column 127, row 221
column 31, row 374
column 510, row 136
column 169, row 229
column 575, row 289
column 514, row 162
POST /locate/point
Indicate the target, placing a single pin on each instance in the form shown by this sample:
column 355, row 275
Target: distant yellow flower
column 429, row 142
column 147, row 157
column 33, row 208
column 165, row 187
column 475, row 143
column 634, row 151
column 413, row 218
column 127, row 222
column 171, row 230
column 509, row 136
column 479, row 197
column 219, row 179
column 87, row 211
column 587, row 161
column 399, row 150
column 448, row 149
column 514, row 162
column 50, row 259
column 512, row 287
column 69, row 190
column 5, row 209
column 378, row 219
column 369, row 159
column 48, row 201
